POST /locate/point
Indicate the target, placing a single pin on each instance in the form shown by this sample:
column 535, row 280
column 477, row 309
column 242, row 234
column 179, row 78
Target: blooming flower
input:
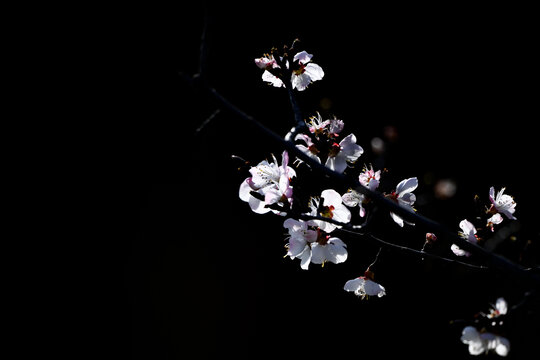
column 266, row 62
column 502, row 203
column 307, row 72
column 313, row 245
column 346, row 151
column 482, row 342
column 317, row 125
column 304, row 73
column 404, row 197
column 310, row 149
column 370, row 178
column 271, row 182
column 269, row 65
column 364, row 287
column 328, row 248
column 500, row 308
column 300, row 239
column 469, row 233
column 331, row 208
column 494, row 220
column 353, row 198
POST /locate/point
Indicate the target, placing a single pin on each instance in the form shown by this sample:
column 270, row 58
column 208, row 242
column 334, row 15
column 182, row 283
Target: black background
column 206, row 276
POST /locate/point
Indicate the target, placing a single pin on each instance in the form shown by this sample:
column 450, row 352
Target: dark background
column 204, row 275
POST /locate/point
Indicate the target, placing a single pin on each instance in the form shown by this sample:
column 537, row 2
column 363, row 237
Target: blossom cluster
column 501, row 204
column 302, row 72
column 314, row 215
column 311, row 228
column 483, row 341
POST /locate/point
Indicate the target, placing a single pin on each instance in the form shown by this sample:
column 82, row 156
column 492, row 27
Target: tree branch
column 492, row 259
column 352, row 229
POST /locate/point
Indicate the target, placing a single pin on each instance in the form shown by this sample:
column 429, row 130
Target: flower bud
column 431, row 238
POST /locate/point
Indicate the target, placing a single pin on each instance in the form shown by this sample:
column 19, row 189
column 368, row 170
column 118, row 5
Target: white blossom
column 332, row 208
column 300, row 239
column 469, row 233
column 404, row 197
column 271, row 181
column 313, row 246
column 482, row 342
column 494, row 220
column 340, row 154
column 370, row 178
column 502, row 203
column 310, row 149
column 307, row 72
column 353, row 198
column 500, row 308
column 364, row 287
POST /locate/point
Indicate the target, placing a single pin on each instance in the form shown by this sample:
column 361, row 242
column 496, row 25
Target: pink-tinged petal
column 362, row 211
column 244, row 191
column 303, row 57
column 272, row 196
column 458, row 252
column 285, row 159
column 407, row 185
column 467, row 227
column 492, row 195
column 266, row 63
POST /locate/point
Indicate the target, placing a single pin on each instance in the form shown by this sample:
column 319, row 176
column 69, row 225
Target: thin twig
column 207, row 121
column 492, row 259
column 352, row 229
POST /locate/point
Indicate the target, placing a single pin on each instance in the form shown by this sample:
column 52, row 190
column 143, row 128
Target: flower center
column 392, row 196
column 334, row 150
column 300, row 70
column 313, row 149
column 322, row 239
column 327, row 211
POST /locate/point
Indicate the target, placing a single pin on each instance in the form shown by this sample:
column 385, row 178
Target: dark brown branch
column 493, row 260
column 352, row 229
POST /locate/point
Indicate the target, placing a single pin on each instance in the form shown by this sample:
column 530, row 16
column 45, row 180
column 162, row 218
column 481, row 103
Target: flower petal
column 407, row 185
column 272, row 79
column 314, row 71
column 331, row 197
column 354, row 284
column 397, row 219
column 336, row 251
column 303, row 57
